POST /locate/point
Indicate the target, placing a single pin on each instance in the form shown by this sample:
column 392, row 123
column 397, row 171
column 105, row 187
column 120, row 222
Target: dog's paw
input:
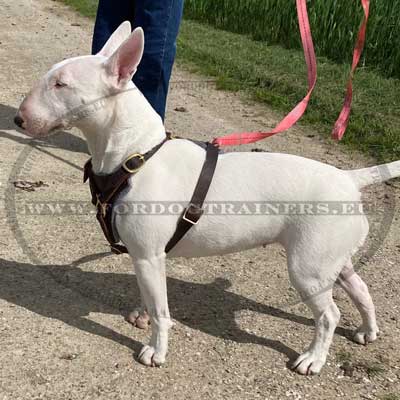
column 148, row 356
column 139, row 318
column 308, row 363
column 365, row 335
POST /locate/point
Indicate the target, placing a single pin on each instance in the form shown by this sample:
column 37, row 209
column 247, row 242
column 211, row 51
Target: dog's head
column 75, row 88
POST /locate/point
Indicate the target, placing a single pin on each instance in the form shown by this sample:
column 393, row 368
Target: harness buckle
column 133, row 170
column 194, row 211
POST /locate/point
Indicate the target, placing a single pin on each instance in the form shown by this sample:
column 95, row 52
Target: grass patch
column 277, row 77
column 87, row 8
column 372, row 369
column 348, row 365
column 334, row 21
column 343, row 356
column 390, row 396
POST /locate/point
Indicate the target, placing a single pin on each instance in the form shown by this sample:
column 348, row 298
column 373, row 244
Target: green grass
column 87, row 8
column 332, row 21
column 277, row 77
column 343, row 356
column 372, row 369
column 390, row 396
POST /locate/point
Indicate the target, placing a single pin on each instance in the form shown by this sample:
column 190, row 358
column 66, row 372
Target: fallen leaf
column 68, row 357
column 29, row 186
column 180, row 109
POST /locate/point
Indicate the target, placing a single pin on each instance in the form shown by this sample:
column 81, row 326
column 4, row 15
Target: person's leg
column 110, row 14
column 160, row 20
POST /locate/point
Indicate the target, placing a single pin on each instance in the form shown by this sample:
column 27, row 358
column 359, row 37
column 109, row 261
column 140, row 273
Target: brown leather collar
column 105, row 189
column 106, row 185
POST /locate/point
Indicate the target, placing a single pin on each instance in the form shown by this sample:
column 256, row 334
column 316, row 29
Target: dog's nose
column 18, row 121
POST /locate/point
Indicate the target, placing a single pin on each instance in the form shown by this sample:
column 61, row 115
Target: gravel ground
column 238, row 322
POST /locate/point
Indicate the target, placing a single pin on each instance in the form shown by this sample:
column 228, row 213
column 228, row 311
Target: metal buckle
column 133, row 170
column 199, row 211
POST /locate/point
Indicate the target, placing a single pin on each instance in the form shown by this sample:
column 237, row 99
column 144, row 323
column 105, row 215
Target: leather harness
column 106, row 188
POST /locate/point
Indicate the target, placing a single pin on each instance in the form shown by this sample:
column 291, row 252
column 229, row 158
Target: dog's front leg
column 153, row 286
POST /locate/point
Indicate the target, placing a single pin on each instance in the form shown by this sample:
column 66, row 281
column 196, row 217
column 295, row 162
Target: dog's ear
column 122, row 65
column 115, row 40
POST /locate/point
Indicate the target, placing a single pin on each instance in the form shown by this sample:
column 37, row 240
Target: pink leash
column 343, row 120
column 298, row 111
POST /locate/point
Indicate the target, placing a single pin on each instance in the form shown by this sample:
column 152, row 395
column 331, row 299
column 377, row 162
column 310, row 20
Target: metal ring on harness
column 133, row 170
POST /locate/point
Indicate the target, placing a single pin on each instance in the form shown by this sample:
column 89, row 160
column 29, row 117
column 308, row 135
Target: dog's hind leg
column 314, row 285
column 357, row 290
column 326, row 316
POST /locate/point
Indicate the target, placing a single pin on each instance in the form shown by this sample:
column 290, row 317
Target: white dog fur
column 318, row 247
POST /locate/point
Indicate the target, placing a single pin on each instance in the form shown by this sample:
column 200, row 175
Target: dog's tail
column 378, row 174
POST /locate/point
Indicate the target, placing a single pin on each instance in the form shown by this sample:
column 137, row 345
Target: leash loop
column 298, row 111
column 343, row 120
column 309, row 55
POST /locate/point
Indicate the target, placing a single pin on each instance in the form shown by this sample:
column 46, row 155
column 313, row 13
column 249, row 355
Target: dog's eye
column 60, row 84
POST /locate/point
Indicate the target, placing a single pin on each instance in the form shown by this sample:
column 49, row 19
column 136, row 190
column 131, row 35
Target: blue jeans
column 160, row 20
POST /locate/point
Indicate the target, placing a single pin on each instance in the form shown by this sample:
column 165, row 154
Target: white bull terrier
column 318, row 247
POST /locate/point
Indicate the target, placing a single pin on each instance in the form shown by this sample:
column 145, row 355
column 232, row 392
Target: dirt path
column 238, row 322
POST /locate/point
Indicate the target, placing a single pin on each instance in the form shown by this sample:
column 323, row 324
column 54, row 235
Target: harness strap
column 105, row 189
column 194, row 210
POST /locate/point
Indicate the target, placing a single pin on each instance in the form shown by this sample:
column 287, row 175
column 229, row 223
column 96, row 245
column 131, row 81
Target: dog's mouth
column 40, row 133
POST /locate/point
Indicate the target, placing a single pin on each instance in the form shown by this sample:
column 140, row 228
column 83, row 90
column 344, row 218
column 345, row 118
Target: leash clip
column 133, row 170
